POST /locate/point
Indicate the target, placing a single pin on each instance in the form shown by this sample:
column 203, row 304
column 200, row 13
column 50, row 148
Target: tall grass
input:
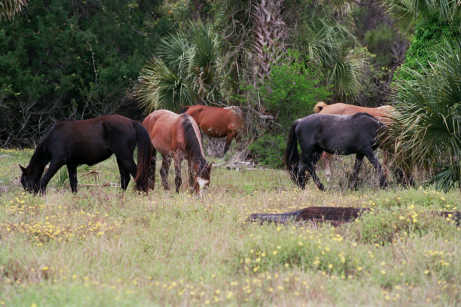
column 105, row 247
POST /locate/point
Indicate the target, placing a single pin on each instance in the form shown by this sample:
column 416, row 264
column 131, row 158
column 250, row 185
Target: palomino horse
column 218, row 122
column 382, row 113
column 340, row 134
column 178, row 136
column 90, row 141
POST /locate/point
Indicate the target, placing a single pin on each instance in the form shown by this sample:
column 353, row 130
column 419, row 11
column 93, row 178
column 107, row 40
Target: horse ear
column 23, row 169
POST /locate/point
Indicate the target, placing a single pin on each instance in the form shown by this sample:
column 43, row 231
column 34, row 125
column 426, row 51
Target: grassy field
column 102, row 247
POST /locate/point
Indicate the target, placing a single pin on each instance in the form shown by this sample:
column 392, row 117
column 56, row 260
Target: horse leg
column 326, row 158
column 374, row 161
column 191, row 172
column 72, row 170
column 166, row 161
column 385, row 162
column 151, row 176
column 357, row 166
column 177, row 171
column 52, row 169
column 310, row 162
column 229, row 138
column 301, row 177
column 126, row 168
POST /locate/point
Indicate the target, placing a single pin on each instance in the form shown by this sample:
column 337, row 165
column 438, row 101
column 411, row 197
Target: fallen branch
column 334, row 215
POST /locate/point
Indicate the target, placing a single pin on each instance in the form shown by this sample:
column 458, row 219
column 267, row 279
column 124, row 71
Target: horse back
column 382, row 113
column 89, row 141
column 333, row 133
column 215, row 121
column 165, row 132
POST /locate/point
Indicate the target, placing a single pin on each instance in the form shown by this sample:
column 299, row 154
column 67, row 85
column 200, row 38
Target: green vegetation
column 63, row 60
column 102, row 247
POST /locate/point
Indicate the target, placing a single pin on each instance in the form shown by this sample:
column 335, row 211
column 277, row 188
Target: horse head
column 202, row 178
column 29, row 180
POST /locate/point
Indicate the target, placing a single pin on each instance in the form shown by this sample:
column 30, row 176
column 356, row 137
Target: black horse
column 90, row 141
column 335, row 134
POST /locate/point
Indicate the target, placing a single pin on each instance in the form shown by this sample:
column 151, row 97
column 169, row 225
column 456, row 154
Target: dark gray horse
column 335, row 134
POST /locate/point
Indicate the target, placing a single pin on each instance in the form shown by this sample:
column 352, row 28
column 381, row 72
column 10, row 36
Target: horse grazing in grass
column 218, row 122
column 76, row 142
column 382, row 113
column 339, row 134
column 178, row 136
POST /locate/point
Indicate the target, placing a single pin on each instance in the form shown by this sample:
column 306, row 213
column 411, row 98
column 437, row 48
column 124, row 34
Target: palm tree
column 323, row 33
column 428, row 125
column 186, row 68
column 9, row 8
column 410, row 10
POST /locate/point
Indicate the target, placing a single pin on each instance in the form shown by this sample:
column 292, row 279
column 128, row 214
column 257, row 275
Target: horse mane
column 184, row 109
column 191, row 139
column 319, row 106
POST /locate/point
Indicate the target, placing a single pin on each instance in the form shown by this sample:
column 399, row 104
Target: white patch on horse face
column 202, row 182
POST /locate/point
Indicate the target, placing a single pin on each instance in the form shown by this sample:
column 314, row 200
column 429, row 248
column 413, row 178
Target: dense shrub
column 70, row 60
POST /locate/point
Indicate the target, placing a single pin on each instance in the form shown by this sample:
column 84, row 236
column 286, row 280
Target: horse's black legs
column 374, row 161
column 166, row 161
column 357, row 166
column 72, row 170
column 151, row 176
column 310, row 164
column 52, row 169
column 177, row 170
column 126, row 168
column 301, row 177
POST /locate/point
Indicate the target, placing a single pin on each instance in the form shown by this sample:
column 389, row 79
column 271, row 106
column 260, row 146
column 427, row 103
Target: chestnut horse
column 382, row 113
column 178, row 136
column 76, row 142
column 218, row 122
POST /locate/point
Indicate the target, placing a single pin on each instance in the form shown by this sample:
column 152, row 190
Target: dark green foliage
column 428, row 126
column 292, row 90
column 428, row 38
column 268, row 150
column 70, row 60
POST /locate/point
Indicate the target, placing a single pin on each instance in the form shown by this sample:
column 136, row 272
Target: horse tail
column 146, row 158
column 291, row 153
column 319, row 106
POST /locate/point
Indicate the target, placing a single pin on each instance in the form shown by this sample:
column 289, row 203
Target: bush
column 292, row 90
column 70, row 60
column 268, row 150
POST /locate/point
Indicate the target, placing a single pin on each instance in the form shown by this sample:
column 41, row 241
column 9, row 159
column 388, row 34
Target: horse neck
column 193, row 143
column 38, row 161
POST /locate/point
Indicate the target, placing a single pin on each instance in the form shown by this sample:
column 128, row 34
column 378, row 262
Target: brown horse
column 178, row 136
column 218, row 122
column 76, row 142
column 382, row 113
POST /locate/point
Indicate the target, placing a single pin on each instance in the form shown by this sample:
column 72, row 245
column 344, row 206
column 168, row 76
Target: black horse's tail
column 291, row 154
column 146, row 159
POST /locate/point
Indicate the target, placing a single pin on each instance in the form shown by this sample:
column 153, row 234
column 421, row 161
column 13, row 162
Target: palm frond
column 427, row 128
column 9, row 8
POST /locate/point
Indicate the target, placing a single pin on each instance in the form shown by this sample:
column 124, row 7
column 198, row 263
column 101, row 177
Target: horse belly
column 215, row 129
column 89, row 153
